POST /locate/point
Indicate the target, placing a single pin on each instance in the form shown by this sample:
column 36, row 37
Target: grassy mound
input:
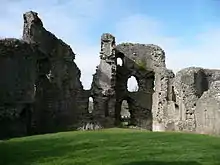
column 112, row 147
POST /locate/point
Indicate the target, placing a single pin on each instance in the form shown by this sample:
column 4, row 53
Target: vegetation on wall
column 141, row 64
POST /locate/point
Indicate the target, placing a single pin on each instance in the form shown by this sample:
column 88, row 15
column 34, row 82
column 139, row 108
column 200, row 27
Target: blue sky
column 188, row 30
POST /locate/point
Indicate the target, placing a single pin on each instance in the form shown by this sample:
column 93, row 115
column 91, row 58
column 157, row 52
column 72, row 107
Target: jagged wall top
column 107, row 37
column 34, row 32
column 149, row 56
column 32, row 17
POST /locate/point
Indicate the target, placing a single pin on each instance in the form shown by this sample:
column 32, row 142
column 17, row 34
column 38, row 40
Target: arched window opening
column 119, row 61
column 125, row 110
column 125, row 113
column 154, row 88
column 91, row 105
column 132, row 84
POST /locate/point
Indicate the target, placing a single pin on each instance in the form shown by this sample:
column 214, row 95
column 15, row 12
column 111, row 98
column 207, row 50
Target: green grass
column 111, row 147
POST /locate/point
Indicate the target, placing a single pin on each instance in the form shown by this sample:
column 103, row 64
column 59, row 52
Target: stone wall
column 163, row 101
column 191, row 86
column 41, row 84
column 18, row 74
column 207, row 112
column 59, row 91
column 141, row 61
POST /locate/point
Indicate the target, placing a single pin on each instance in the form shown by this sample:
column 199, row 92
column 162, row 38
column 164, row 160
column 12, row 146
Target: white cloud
column 71, row 21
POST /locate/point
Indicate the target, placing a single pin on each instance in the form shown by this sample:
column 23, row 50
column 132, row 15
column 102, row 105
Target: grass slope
column 112, row 147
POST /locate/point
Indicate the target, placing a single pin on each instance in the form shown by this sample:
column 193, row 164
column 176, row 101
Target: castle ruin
column 41, row 92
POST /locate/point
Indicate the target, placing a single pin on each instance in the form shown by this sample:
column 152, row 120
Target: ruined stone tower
column 109, row 88
column 103, row 85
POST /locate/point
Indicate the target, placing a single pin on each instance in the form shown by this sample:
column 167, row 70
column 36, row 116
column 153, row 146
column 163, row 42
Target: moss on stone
column 141, row 64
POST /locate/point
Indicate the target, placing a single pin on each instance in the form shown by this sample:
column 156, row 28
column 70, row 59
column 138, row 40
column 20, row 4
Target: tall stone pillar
column 103, row 87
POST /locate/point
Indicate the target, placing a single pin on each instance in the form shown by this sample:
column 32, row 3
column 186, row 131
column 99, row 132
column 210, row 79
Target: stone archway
column 138, row 92
column 125, row 114
column 91, row 105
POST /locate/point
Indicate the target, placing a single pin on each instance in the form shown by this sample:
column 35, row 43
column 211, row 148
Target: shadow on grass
column 163, row 163
column 27, row 152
